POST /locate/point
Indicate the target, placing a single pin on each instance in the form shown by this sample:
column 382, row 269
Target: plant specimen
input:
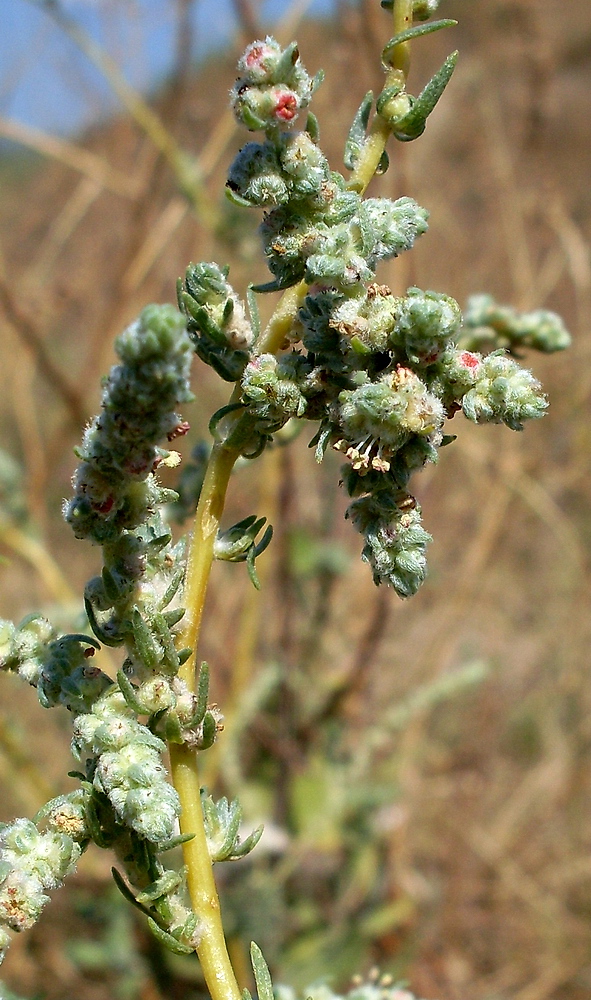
column 378, row 376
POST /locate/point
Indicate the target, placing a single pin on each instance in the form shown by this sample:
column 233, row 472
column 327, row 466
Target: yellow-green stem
column 207, row 521
column 380, row 131
column 212, row 950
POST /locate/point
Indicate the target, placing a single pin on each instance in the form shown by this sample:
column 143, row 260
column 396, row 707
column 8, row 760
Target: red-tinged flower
column 286, row 106
column 469, row 360
column 260, row 60
column 258, row 55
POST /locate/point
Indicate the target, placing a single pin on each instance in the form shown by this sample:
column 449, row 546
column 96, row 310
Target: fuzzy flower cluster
column 60, row 667
column 123, row 756
column 117, row 503
column 127, row 767
column 114, row 487
column 316, row 228
column 273, row 86
column 34, row 860
column 380, row 374
column 488, row 326
column 216, row 319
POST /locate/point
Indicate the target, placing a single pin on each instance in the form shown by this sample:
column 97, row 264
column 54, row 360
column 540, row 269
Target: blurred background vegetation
column 423, row 768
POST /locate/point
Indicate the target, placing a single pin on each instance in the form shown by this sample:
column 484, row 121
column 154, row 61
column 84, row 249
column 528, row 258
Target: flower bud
column 504, row 393
column 395, row 542
column 489, row 326
column 273, row 86
column 425, row 323
column 270, row 391
column 377, row 418
column 423, row 10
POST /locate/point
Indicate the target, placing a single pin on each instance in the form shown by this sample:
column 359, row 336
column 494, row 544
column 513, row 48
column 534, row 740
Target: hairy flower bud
column 256, row 175
column 387, row 228
column 377, row 418
column 23, row 647
column 504, row 393
column 424, row 9
column 395, row 542
column 273, row 86
column 270, row 390
column 119, row 450
column 31, row 862
column 216, row 319
column 365, row 322
column 127, row 761
column 425, row 323
column 489, row 326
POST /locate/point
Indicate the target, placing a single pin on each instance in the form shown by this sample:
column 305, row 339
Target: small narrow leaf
column 251, row 568
column 169, row 845
column 262, row 976
column 253, row 312
column 202, row 695
column 414, row 32
column 312, row 127
column 168, row 940
column 247, row 845
column 129, row 693
column 126, row 891
column 357, row 132
column 413, row 124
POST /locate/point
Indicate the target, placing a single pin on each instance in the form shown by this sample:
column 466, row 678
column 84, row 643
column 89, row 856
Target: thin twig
column 71, row 155
column 30, row 336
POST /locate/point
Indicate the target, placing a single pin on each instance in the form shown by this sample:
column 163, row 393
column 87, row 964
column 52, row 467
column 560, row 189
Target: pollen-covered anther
column 374, row 290
column 379, row 463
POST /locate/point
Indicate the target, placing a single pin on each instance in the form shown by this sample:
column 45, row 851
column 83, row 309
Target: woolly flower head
column 365, row 322
column 270, row 389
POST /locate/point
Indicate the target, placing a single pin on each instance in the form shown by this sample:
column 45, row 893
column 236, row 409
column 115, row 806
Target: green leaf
column 129, row 693
column 383, row 164
column 357, row 132
column 220, row 414
column 144, row 641
column 412, row 125
column 202, row 695
column 167, row 883
column 105, row 637
column 251, row 568
column 126, row 891
column 312, row 127
column 415, row 32
column 168, row 940
column 253, row 312
column 169, row 845
column 246, row 846
column 209, row 731
column 262, row 976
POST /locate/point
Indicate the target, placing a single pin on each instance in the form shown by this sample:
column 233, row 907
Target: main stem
column 212, row 951
column 375, row 144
